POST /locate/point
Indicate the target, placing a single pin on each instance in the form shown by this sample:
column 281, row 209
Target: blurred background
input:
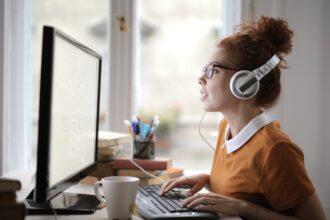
column 151, row 63
column 175, row 40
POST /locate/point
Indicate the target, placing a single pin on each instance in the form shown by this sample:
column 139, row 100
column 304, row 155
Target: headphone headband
column 266, row 68
column 259, row 73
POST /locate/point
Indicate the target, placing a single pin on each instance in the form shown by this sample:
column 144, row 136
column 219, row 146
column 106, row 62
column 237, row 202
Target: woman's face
column 215, row 91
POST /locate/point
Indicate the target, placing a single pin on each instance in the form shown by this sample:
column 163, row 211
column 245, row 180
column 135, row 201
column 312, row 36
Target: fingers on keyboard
column 174, row 184
column 165, row 186
column 195, row 189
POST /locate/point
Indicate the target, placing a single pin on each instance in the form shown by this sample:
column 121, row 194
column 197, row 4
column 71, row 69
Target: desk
column 27, row 185
column 98, row 215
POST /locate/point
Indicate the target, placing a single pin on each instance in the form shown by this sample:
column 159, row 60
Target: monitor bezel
column 42, row 191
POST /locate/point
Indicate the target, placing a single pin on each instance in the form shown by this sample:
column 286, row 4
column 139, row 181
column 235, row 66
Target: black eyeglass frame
column 208, row 72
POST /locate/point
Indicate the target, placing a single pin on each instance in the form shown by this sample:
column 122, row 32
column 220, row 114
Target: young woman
column 257, row 171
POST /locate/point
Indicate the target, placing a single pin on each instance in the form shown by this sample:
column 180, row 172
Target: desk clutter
column 142, row 131
column 9, row 208
column 140, row 139
column 110, row 143
column 144, row 136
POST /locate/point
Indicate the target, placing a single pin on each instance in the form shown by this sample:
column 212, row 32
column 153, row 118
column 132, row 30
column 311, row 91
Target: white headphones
column 245, row 84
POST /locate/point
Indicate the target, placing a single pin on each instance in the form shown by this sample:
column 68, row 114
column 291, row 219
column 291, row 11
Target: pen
column 141, row 131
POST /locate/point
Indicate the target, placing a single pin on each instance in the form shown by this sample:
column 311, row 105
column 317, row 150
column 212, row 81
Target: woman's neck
column 239, row 118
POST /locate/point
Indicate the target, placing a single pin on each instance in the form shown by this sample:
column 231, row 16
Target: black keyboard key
column 143, row 191
column 173, row 204
column 169, row 208
column 159, row 206
column 163, row 202
column 177, row 202
column 149, row 190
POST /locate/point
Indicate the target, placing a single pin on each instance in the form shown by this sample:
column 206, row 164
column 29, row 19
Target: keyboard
column 153, row 206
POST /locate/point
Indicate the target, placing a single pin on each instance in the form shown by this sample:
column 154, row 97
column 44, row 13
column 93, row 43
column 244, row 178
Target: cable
column 146, row 172
column 53, row 210
column 200, row 133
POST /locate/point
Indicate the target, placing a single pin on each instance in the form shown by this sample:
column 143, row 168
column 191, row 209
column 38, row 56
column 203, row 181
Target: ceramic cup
column 119, row 195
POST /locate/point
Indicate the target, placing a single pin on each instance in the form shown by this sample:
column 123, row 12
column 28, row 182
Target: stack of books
column 109, row 144
column 160, row 167
column 9, row 207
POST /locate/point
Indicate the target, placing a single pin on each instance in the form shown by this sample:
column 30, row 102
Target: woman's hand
column 197, row 182
column 213, row 202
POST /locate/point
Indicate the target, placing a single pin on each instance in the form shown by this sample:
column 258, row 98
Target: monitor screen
column 73, row 110
column 68, row 113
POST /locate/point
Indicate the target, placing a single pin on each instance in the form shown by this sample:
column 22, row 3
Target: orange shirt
column 268, row 169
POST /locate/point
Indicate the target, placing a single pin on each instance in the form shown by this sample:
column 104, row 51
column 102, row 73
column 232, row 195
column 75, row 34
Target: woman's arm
column 310, row 209
column 256, row 212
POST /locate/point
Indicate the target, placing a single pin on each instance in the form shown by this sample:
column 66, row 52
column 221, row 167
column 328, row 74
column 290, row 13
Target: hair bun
column 274, row 32
column 277, row 32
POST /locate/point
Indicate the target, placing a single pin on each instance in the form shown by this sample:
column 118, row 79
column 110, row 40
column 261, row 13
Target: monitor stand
column 64, row 204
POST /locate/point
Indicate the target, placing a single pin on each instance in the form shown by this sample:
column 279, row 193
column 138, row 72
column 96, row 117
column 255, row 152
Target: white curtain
column 15, row 86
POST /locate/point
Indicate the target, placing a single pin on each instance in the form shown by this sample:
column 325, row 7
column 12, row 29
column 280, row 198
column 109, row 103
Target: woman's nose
column 201, row 80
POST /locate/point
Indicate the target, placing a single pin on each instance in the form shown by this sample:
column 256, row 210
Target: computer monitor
column 68, row 120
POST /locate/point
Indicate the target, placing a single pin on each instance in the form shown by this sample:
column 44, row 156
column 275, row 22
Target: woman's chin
column 208, row 108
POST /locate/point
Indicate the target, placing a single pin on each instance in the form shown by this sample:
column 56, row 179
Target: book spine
column 7, row 198
column 13, row 211
column 7, row 185
column 145, row 164
column 137, row 173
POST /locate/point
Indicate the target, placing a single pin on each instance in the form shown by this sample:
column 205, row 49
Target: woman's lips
column 203, row 95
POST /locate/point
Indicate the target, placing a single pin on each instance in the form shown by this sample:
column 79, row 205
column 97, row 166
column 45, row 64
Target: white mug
column 119, row 193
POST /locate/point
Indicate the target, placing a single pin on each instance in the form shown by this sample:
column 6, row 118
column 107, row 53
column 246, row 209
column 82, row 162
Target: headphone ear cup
column 237, row 80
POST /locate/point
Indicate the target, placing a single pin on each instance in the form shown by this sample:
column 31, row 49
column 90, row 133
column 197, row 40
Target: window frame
column 123, row 64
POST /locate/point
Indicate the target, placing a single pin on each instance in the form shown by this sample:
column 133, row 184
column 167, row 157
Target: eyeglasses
column 210, row 69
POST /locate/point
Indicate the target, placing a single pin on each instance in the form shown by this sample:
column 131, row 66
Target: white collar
column 247, row 132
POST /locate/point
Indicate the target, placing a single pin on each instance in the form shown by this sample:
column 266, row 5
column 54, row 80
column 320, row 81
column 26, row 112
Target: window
column 176, row 40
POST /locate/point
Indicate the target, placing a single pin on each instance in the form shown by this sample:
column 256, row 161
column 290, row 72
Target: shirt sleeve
column 284, row 180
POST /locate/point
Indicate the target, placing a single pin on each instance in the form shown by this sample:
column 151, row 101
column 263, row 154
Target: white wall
column 324, row 153
column 305, row 106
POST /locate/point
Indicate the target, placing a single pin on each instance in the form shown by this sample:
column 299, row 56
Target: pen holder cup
column 144, row 149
